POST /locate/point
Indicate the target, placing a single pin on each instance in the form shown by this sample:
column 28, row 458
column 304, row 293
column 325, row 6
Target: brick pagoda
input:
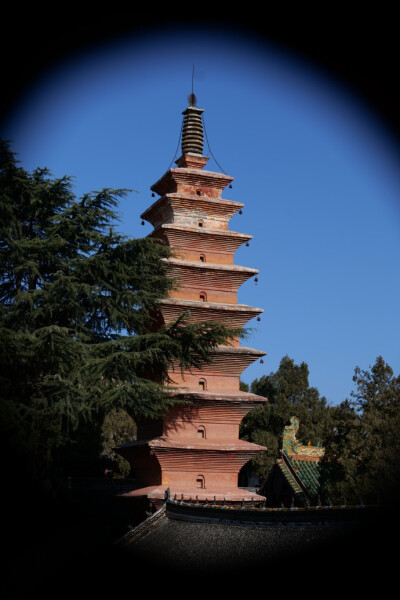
column 195, row 450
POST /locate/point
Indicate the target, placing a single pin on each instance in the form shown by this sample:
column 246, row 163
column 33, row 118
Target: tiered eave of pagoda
column 190, row 241
column 184, row 180
column 220, row 282
column 226, row 361
column 191, row 209
column 237, row 315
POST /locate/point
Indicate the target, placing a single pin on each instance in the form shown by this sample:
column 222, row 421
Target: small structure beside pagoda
column 294, row 479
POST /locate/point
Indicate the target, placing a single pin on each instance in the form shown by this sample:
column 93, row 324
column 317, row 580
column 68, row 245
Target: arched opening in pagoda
column 201, row 432
column 200, row 482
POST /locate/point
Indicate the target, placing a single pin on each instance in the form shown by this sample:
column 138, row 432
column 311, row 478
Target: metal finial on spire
column 192, row 130
column 192, row 97
column 192, row 135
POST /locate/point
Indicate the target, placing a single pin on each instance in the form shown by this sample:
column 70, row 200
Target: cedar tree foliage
column 79, row 313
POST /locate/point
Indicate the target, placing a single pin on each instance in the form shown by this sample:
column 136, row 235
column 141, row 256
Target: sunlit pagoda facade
column 194, row 451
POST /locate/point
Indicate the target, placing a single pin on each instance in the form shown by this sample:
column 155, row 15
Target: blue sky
column 318, row 173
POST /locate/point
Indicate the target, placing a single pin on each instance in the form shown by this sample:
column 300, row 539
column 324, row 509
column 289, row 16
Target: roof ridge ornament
column 291, row 445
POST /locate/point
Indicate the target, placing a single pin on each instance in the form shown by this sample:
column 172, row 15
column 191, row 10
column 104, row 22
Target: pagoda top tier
column 192, row 144
column 192, row 129
column 192, row 181
column 192, row 137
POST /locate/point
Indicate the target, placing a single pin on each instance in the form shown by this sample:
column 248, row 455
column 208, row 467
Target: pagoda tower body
column 194, row 451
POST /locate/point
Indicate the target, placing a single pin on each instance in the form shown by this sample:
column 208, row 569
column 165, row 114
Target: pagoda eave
column 225, row 361
column 208, row 306
column 224, row 446
column 202, row 239
column 192, row 177
column 210, row 277
column 237, row 315
column 158, row 492
column 173, row 208
column 232, row 397
column 211, row 266
column 203, row 232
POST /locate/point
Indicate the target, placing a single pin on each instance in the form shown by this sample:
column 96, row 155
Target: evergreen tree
column 118, row 427
column 79, row 315
column 289, row 394
column 364, row 445
column 340, row 464
column 377, row 399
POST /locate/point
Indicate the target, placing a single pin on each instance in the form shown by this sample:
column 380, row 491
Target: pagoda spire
column 192, row 143
column 192, row 130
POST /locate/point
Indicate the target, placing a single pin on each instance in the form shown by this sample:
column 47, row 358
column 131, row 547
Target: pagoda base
column 156, row 495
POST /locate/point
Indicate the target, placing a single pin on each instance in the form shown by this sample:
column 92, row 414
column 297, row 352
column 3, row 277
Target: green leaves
column 80, row 323
column 288, row 394
column 363, row 444
column 377, row 401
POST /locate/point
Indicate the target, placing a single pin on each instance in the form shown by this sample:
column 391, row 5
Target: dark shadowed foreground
column 209, row 548
column 86, row 550
column 230, row 551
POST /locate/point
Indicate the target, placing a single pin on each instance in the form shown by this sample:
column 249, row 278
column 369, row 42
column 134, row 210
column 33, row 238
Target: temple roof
column 232, row 553
column 298, row 466
column 307, row 472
